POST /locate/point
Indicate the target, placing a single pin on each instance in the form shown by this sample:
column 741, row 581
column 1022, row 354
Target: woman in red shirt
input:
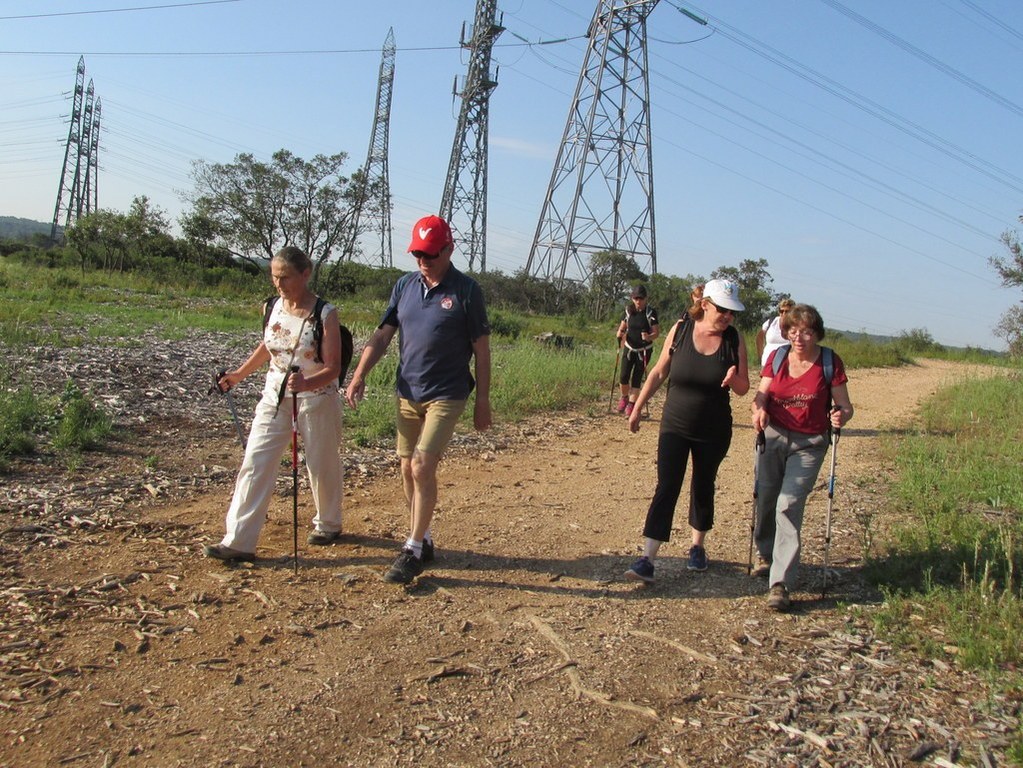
column 793, row 408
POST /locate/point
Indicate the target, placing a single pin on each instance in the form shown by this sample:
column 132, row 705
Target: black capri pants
column 634, row 366
column 673, row 452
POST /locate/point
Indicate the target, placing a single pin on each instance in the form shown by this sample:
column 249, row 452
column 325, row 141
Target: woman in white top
column 289, row 343
column 770, row 337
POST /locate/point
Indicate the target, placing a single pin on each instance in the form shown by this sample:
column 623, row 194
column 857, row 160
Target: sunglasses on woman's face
column 721, row 310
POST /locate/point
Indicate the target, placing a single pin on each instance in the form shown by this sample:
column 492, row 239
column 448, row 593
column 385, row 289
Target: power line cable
column 861, row 102
column 117, row 10
column 933, row 61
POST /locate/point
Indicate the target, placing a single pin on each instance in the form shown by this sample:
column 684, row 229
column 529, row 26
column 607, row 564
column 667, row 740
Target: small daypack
column 347, row 342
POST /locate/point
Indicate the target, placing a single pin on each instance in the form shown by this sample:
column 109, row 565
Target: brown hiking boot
column 778, row 598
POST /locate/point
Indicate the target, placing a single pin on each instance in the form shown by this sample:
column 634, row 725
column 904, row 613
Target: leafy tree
column 99, row 239
column 671, row 295
column 917, row 340
column 118, row 241
column 1010, row 269
column 252, row 208
column 611, row 274
column 754, row 289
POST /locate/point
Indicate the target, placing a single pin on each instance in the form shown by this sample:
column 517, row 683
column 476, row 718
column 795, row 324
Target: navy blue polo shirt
column 436, row 330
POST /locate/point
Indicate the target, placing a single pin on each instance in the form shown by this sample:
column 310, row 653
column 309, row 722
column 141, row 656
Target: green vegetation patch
column 952, row 574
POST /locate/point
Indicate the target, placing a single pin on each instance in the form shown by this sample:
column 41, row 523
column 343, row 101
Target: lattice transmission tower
column 601, row 192
column 372, row 208
column 464, row 202
column 82, row 184
column 90, row 189
column 68, row 182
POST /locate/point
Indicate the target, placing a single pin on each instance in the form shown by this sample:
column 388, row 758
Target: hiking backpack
column 347, row 342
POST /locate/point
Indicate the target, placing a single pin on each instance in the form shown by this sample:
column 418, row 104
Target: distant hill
column 14, row 228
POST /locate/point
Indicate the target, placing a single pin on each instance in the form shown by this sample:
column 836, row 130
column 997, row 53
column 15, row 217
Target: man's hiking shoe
column 427, row 551
column 629, row 408
column 762, row 568
column 621, row 405
column 228, row 555
column 322, row 538
column 641, row 570
column 778, row 598
column 405, row 568
column 697, row 558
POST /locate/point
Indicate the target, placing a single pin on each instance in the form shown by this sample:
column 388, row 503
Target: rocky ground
column 522, row 646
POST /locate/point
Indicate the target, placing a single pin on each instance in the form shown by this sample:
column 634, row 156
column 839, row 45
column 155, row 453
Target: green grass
column 951, row 574
column 24, row 417
column 527, row 378
column 69, row 424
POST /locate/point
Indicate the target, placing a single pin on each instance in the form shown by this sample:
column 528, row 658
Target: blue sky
column 873, row 163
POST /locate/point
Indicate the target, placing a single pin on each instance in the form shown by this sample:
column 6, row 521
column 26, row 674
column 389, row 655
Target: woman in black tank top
column 703, row 358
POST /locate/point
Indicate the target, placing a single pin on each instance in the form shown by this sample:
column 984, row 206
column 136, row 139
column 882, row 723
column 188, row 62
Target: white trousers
column 319, row 424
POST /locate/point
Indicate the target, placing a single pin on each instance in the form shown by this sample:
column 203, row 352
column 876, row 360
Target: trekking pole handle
column 216, row 382
column 836, row 431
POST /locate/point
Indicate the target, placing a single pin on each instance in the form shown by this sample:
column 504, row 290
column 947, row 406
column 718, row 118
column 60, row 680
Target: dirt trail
column 522, row 646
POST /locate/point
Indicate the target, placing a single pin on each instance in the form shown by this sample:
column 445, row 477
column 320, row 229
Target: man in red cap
column 443, row 324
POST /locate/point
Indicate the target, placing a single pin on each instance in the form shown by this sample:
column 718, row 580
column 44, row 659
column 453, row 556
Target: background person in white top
column 770, row 337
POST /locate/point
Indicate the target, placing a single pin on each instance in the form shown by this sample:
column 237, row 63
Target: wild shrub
column 82, row 425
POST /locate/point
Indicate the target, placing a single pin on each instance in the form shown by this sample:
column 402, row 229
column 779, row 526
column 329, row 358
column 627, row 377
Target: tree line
column 241, row 213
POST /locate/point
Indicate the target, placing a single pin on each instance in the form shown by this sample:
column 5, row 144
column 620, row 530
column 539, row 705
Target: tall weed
column 82, row 426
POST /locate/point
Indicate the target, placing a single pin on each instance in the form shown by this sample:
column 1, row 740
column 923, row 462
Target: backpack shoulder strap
column 318, row 326
column 731, row 341
column 680, row 328
column 268, row 308
column 828, row 362
column 779, row 357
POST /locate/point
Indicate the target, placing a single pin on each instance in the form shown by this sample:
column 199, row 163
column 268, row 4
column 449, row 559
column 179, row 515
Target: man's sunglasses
column 425, row 255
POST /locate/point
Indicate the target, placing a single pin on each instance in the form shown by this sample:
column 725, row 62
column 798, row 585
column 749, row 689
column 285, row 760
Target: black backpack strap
column 318, row 327
column 680, row 326
column 268, row 308
column 730, row 342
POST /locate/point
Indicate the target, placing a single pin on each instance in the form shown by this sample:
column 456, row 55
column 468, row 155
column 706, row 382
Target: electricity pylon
column 91, row 190
column 68, row 182
column 82, row 181
column 601, row 192
column 464, row 202
column 373, row 203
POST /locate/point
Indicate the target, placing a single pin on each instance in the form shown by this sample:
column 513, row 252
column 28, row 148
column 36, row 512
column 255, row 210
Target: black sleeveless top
column 697, row 406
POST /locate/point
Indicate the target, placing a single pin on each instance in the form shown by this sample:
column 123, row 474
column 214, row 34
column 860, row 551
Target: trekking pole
column 230, row 404
column 835, row 434
column 294, row 470
column 758, row 450
column 614, row 377
column 647, row 357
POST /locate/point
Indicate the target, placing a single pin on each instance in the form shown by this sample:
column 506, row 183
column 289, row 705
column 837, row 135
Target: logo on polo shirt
column 447, row 303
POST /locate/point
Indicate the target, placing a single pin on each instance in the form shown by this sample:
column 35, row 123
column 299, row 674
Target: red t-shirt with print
column 801, row 404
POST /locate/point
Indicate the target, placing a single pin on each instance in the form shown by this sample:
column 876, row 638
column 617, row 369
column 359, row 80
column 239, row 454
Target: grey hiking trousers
column 788, row 469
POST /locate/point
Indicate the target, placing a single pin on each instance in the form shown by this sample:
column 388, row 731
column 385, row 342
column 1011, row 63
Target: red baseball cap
column 430, row 235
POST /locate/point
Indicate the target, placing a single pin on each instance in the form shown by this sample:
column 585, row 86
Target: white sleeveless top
column 286, row 347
